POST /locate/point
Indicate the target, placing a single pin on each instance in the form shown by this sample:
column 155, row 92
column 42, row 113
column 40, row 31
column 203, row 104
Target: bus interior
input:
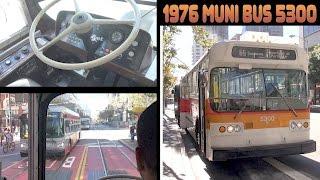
column 65, row 43
column 57, row 148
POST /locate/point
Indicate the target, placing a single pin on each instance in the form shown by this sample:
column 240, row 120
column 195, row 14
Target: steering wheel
column 83, row 22
column 120, row 176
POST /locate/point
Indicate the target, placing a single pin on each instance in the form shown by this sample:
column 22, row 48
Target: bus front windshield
column 234, row 89
column 54, row 126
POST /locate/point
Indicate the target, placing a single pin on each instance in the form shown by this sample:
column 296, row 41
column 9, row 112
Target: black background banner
column 302, row 12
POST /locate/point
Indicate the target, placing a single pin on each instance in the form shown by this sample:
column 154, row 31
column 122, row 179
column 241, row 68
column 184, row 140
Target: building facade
column 217, row 33
column 311, row 36
column 272, row 30
column 12, row 106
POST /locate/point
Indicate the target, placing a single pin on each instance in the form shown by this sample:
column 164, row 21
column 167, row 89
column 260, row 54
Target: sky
column 185, row 39
column 94, row 102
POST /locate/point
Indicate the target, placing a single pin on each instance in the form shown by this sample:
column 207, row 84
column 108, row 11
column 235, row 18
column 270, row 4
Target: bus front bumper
column 223, row 154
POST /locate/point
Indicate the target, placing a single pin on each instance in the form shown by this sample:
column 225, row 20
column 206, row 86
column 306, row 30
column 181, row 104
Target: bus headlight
column 230, row 129
column 299, row 124
column 293, row 125
column 237, row 128
column 305, row 124
column 222, row 129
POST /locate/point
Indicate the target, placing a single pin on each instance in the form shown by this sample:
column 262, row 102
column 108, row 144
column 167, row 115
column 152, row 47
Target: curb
column 128, row 146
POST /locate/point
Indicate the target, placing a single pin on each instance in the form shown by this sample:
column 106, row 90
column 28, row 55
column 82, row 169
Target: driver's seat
column 25, row 82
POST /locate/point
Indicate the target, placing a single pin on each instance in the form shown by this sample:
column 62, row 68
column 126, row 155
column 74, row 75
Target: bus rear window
column 263, row 53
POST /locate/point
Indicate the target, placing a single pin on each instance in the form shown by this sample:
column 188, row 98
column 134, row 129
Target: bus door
column 201, row 125
column 176, row 92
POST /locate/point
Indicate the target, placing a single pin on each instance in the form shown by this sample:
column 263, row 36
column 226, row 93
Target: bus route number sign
column 263, row 53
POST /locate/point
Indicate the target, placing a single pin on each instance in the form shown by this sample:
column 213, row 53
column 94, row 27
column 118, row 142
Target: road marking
column 9, row 155
column 52, row 164
column 68, row 162
column 102, row 159
column 286, row 169
column 81, row 163
column 135, row 165
column 13, row 165
column 106, row 146
column 22, row 166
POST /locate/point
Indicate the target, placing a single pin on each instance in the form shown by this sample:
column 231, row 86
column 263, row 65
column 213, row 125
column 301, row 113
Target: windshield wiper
column 284, row 99
column 241, row 110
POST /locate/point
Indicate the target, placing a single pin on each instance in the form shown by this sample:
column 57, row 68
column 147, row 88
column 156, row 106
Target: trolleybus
column 62, row 132
column 247, row 99
column 85, row 123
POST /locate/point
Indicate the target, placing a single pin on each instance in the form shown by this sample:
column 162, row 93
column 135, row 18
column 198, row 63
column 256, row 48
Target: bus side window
column 67, row 126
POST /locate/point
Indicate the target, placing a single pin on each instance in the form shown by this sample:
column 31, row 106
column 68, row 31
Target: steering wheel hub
column 80, row 18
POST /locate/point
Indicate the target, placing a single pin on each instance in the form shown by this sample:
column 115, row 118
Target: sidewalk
column 175, row 161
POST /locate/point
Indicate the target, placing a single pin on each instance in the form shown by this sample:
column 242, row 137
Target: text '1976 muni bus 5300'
column 247, row 99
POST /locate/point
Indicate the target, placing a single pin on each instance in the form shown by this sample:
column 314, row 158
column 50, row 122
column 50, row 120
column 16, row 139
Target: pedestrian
column 132, row 134
column 148, row 141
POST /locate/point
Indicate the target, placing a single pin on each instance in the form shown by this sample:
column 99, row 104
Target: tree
column 314, row 68
column 169, row 55
column 314, row 65
column 64, row 99
column 140, row 102
column 201, row 37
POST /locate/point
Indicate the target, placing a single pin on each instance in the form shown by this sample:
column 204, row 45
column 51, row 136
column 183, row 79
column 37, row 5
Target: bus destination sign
column 263, row 53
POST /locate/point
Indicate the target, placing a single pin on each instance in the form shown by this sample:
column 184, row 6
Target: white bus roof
column 220, row 55
column 56, row 108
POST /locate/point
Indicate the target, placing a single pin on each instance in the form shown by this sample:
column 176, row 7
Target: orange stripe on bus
column 255, row 120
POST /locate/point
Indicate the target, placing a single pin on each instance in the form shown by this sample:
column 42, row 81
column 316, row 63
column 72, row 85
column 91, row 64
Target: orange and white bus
column 62, row 133
column 247, row 99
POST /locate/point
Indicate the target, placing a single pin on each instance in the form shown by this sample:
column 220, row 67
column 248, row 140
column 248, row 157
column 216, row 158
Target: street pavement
column 98, row 153
column 182, row 160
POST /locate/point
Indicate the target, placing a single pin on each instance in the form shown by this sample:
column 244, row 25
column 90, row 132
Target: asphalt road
column 305, row 166
column 97, row 154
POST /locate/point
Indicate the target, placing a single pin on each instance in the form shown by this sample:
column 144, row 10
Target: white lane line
column 105, row 146
column 103, row 163
column 286, row 169
column 9, row 155
column 54, row 162
column 13, row 164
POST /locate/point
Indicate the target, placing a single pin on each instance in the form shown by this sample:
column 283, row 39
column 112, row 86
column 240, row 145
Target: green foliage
column 128, row 102
column 169, row 55
column 64, row 99
column 201, row 37
column 314, row 65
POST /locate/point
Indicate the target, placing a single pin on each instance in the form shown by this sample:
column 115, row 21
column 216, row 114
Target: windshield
column 85, row 122
column 54, row 125
column 12, row 17
column 234, row 89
